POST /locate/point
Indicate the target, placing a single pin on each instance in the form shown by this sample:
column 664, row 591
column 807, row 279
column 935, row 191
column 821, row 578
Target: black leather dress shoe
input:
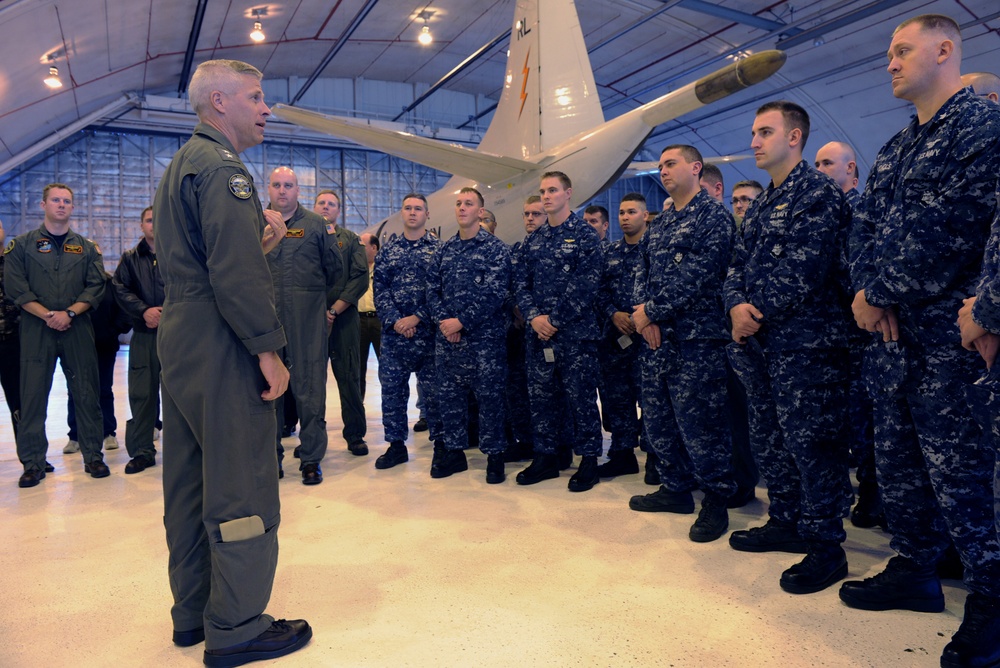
column 359, row 449
column 49, row 468
column 283, row 637
column 396, row 454
column 139, row 464
column 312, row 474
column 189, row 638
column 97, row 469
column 30, row 478
column 448, row 462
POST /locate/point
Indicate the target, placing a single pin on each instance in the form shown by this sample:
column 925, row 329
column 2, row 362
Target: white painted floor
column 393, row 568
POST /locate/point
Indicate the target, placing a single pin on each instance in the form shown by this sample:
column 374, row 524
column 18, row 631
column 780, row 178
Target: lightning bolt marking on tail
column 524, row 84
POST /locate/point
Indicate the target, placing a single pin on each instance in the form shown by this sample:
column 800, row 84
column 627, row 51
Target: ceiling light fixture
column 257, row 34
column 425, row 37
column 53, row 81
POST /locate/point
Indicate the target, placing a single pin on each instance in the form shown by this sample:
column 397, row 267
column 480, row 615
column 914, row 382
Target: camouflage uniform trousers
column 935, row 467
column 401, row 357
column 621, row 380
column 798, row 412
column 984, row 400
column 464, row 367
column 518, row 407
column 564, row 392
column 684, row 414
column 860, row 421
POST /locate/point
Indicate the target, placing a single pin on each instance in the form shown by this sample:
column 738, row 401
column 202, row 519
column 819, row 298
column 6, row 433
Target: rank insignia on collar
column 240, row 186
column 295, row 234
column 43, row 245
column 73, row 248
column 226, row 154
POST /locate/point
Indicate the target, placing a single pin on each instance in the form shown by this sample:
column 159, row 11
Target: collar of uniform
column 142, row 248
column 952, row 105
column 72, row 236
column 790, row 181
column 213, row 134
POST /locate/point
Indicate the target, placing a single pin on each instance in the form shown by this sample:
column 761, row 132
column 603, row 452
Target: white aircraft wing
column 458, row 160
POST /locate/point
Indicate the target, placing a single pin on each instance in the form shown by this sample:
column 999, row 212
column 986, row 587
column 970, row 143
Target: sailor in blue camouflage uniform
column 785, row 294
column 916, row 250
column 557, row 275
column 622, row 287
column 400, row 285
column 304, row 266
column 468, row 285
column 520, row 444
column 687, row 253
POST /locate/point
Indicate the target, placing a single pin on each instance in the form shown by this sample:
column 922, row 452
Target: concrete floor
column 393, row 568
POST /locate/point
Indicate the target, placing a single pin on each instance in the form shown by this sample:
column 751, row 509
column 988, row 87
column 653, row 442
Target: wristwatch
column 71, row 313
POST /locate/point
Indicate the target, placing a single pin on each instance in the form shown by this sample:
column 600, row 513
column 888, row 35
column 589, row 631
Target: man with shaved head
column 304, row 267
column 838, row 161
column 916, row 249
column 984, row 84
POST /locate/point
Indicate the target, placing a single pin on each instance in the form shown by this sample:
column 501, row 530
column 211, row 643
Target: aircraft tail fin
column 549, row 94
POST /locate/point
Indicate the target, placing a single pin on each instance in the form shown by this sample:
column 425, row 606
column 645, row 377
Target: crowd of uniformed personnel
column 813, row 325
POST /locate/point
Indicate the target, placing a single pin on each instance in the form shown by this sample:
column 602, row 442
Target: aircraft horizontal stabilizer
column 457, row 160
column 652, row 168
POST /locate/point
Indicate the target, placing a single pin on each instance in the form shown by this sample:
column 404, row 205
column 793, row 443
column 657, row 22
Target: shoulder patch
column 226, row 154
column 240, row 186
column 9, row 248
column 331, row 228
column 297, row 233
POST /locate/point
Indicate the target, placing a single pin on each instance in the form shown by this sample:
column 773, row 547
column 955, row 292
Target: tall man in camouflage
column 785, row 296
column 622, row 287
column 219, row 344
column 917, row 248
column 407, row 333
column 557, row 274
column 56, row 275
column 680, row 316
column 467, row 289
column 344, row 323
column 138, row 287
column 304, row 267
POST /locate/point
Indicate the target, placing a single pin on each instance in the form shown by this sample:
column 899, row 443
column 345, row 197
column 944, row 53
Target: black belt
column 367, row 314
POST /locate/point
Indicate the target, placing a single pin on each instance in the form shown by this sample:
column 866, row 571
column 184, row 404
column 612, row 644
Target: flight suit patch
column 43, row 245
column 9, row 248
column 73, row 248
column 240, row 186
column 295, row 234
column 331, row 228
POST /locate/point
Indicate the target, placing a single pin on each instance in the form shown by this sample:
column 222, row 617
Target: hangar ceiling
column 107, row 50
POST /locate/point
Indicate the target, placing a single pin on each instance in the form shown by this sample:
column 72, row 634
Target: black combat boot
column 586, row 475
column 977, row 641
column 713, row 520
column 620, row 462
column 542, row 467
column 903, row 585
column 824, row 564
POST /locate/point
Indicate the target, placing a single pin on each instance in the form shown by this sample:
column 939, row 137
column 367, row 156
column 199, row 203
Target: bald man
column 984, row 84
column 838, row 161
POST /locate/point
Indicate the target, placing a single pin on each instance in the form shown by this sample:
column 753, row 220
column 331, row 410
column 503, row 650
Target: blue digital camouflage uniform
column 789, row 264
column 518, row 407
column 984, row 396
column 303, row 268
column 469, row 279
column 400, row 285
column 687, row 254
column 917, row 246
column 37, row 269
column 557, row 274
column 622, row 287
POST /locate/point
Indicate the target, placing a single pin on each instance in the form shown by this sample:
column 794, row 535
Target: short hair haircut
column 374, row 242
column 563, row 179
column 61, row 186
column 690, row 153
column 469, row 189
column 325, row 192
column 749, row 183
column 795, row 117
column 489, row 214
column 983, row 83
column 143, row 214
column 415, row 196
column 712, row 174
column 598, row 209
column 533, row 199
column 635, row 197
column 221, row 75
column 940, row 22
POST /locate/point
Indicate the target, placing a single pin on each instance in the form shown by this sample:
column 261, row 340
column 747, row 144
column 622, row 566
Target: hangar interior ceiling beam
column 817, row 32
column 736, row 16
column 667, row 5
column 482, row 51
column 335, row 49
column 192, row 46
